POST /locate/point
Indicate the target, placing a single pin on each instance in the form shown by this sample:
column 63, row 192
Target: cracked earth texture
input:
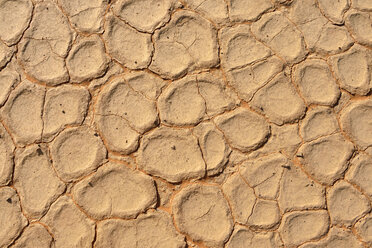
column 186, row 123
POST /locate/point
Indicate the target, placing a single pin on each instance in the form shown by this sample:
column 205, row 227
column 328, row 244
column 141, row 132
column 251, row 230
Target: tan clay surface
column 185, row 123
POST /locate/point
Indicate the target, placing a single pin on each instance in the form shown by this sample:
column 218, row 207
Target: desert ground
column 185, row 123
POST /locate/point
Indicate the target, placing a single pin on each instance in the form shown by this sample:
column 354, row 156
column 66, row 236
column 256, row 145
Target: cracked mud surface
column 186, row 123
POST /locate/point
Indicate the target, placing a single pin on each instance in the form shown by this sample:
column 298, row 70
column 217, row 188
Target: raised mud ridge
column 185, row 123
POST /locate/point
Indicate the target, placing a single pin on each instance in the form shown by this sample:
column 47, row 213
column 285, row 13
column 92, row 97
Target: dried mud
column 186, row 123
